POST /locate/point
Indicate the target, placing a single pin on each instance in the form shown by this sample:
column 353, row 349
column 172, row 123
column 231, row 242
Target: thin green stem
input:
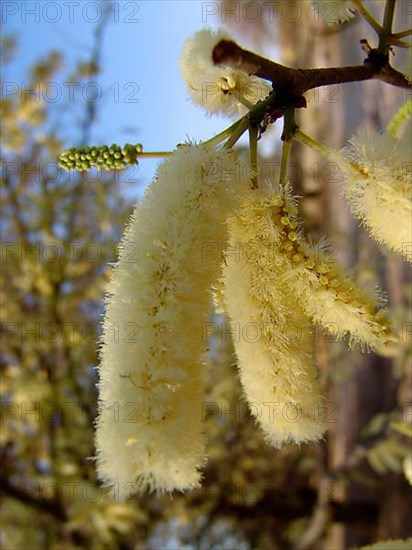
column 386, row 32
column 327, row 151
column 313, row 144
column 243, row 100
column 289, row 129
column 284, row 162
column 253, row 157
column 368, row 16
column 403, row 34
column 388, row 16
column 289, row 124
column 154, row 154
column 215, row 140
column 238, row 132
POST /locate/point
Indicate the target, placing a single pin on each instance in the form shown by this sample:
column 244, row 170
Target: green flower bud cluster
column 103, row 156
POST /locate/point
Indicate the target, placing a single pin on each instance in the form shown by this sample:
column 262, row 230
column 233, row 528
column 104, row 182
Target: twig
column 39, row 503
column 296, row 82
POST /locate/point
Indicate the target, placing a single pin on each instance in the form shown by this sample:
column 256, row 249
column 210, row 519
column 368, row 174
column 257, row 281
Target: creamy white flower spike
column 381, row 195
column 325, row 294
column 217, row 89
column 273, row 339
column 149, row 430
column 317, row 283
column 333, row 12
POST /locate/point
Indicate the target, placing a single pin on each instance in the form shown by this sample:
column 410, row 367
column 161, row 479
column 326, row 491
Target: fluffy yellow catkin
column 272, row 336
column 380, row 195
column 217, row 89
column 149, row 430
column 325, row 294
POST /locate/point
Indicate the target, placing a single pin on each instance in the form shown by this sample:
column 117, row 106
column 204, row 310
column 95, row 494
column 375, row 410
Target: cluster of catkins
column 197, row 211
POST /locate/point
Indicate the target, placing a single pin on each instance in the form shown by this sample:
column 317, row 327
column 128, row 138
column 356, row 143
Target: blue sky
column 143, row 97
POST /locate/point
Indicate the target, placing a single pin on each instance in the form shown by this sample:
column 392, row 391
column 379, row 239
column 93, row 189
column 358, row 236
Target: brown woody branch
column 40, row 503
column 295, row 82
